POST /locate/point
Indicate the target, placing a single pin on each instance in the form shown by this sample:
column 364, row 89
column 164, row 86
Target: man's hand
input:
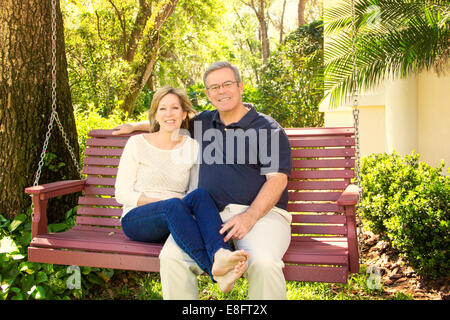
column 123, row 129
column 130, row 127
column 238, row 226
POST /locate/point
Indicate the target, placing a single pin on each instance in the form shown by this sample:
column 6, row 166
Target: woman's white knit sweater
column 154, row 172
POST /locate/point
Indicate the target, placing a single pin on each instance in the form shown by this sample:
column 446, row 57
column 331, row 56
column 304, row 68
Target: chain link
column 54, row 115
column 69, row 147
column 355, row 112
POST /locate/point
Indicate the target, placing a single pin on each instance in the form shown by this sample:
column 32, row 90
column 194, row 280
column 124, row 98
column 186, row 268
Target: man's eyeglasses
column 226, row 85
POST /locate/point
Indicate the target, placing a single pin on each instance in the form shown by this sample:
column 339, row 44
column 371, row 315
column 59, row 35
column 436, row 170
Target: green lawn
column 144, row 286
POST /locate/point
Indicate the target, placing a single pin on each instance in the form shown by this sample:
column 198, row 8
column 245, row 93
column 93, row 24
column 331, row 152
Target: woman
column 151, row 183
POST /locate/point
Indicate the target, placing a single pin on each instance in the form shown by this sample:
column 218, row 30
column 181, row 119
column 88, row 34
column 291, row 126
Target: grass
column 147, row 286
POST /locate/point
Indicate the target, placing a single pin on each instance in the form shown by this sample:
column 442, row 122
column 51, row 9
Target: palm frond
column 409, row 36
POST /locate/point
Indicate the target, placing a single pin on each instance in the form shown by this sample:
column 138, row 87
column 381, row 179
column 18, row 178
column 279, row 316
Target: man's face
column 224, row 97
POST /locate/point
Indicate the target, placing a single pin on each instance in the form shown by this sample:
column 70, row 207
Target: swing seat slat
column 321, row 200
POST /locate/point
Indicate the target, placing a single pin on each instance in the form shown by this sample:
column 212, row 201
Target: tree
column 282, row 21
column 277, row 20
column 292, row 82
column 191, row 39
column 393, row 38
column 260, row 7
column 25, row 105
column 155, row 16
column 105, row 45
column 112, row 59
column 301, row 12
column 248, row 47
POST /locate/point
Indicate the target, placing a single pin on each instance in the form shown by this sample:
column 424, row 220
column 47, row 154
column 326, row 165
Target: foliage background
column 197, row 34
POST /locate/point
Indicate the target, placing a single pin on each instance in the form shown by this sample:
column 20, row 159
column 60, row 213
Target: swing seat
column 321, row 199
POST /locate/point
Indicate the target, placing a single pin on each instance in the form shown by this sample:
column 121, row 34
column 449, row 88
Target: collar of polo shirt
column 245, row 120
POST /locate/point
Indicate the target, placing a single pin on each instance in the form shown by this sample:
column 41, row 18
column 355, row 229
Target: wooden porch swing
column 322, row 200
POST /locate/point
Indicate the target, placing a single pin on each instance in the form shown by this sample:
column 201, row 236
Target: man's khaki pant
column 266, row 242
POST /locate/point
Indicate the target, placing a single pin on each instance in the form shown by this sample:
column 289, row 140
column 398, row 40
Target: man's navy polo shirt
column 236, row 157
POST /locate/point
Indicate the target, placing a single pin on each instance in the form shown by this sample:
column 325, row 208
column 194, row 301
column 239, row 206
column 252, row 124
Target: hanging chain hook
column 54, row 115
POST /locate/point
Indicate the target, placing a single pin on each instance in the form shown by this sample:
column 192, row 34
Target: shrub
column 291, row 87
column 24, row 280
column 92, row 119
column 407, row 203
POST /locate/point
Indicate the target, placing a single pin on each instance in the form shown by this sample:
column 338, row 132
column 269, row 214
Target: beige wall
column 401, row 108
column 434, row 118
column 371, row 126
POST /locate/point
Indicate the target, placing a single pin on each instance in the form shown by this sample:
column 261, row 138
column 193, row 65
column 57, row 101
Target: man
column 248, row 185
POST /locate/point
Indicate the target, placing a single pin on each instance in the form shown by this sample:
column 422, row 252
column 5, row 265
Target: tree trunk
column 282, row 22
column 141, row 75
column 301, row 12
column 264, row 33
column 25, row 106
column 150, row 48
column 142, row 17
column 259, row 10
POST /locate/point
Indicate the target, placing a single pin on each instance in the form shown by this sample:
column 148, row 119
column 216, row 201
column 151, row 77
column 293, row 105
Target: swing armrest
column 41, row 194
column 54, row 189
column 349, row 199
column 350, row 196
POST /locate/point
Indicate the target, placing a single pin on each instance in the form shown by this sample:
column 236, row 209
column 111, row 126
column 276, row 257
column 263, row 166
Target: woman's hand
column 145, row 200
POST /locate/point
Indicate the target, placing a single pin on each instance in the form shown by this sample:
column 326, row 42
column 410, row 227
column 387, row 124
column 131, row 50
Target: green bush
column 92, row 119
column 24, row 280
column 291, row 87
column 407, row 203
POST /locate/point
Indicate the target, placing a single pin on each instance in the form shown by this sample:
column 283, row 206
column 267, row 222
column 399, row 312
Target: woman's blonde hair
column 186, row 105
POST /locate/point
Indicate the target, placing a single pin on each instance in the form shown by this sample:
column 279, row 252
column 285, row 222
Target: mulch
column 396, row 275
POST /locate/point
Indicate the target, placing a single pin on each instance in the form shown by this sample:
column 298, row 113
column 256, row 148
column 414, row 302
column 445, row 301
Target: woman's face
column 170, row 113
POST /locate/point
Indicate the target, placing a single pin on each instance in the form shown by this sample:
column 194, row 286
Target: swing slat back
column 322, row 168
column 98, row 207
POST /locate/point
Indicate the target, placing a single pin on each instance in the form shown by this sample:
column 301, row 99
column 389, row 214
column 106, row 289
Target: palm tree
column 393, row 38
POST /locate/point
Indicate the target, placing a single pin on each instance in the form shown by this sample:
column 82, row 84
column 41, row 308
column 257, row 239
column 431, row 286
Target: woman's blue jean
column 193, row 221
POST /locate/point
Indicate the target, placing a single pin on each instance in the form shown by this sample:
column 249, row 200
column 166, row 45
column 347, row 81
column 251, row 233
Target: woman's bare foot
column 226, row 260
column 226, row 281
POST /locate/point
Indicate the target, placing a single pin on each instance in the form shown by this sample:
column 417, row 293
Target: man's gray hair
column 220, row 65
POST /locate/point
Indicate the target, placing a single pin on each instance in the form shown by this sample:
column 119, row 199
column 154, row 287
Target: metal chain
column 54, row 115
column 355, row 112
column 69, row 147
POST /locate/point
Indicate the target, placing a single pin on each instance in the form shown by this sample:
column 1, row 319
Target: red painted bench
column 322, row 200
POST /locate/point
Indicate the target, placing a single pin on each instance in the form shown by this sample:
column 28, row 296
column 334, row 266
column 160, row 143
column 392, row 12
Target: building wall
column 434, row 118
column 371, row 126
